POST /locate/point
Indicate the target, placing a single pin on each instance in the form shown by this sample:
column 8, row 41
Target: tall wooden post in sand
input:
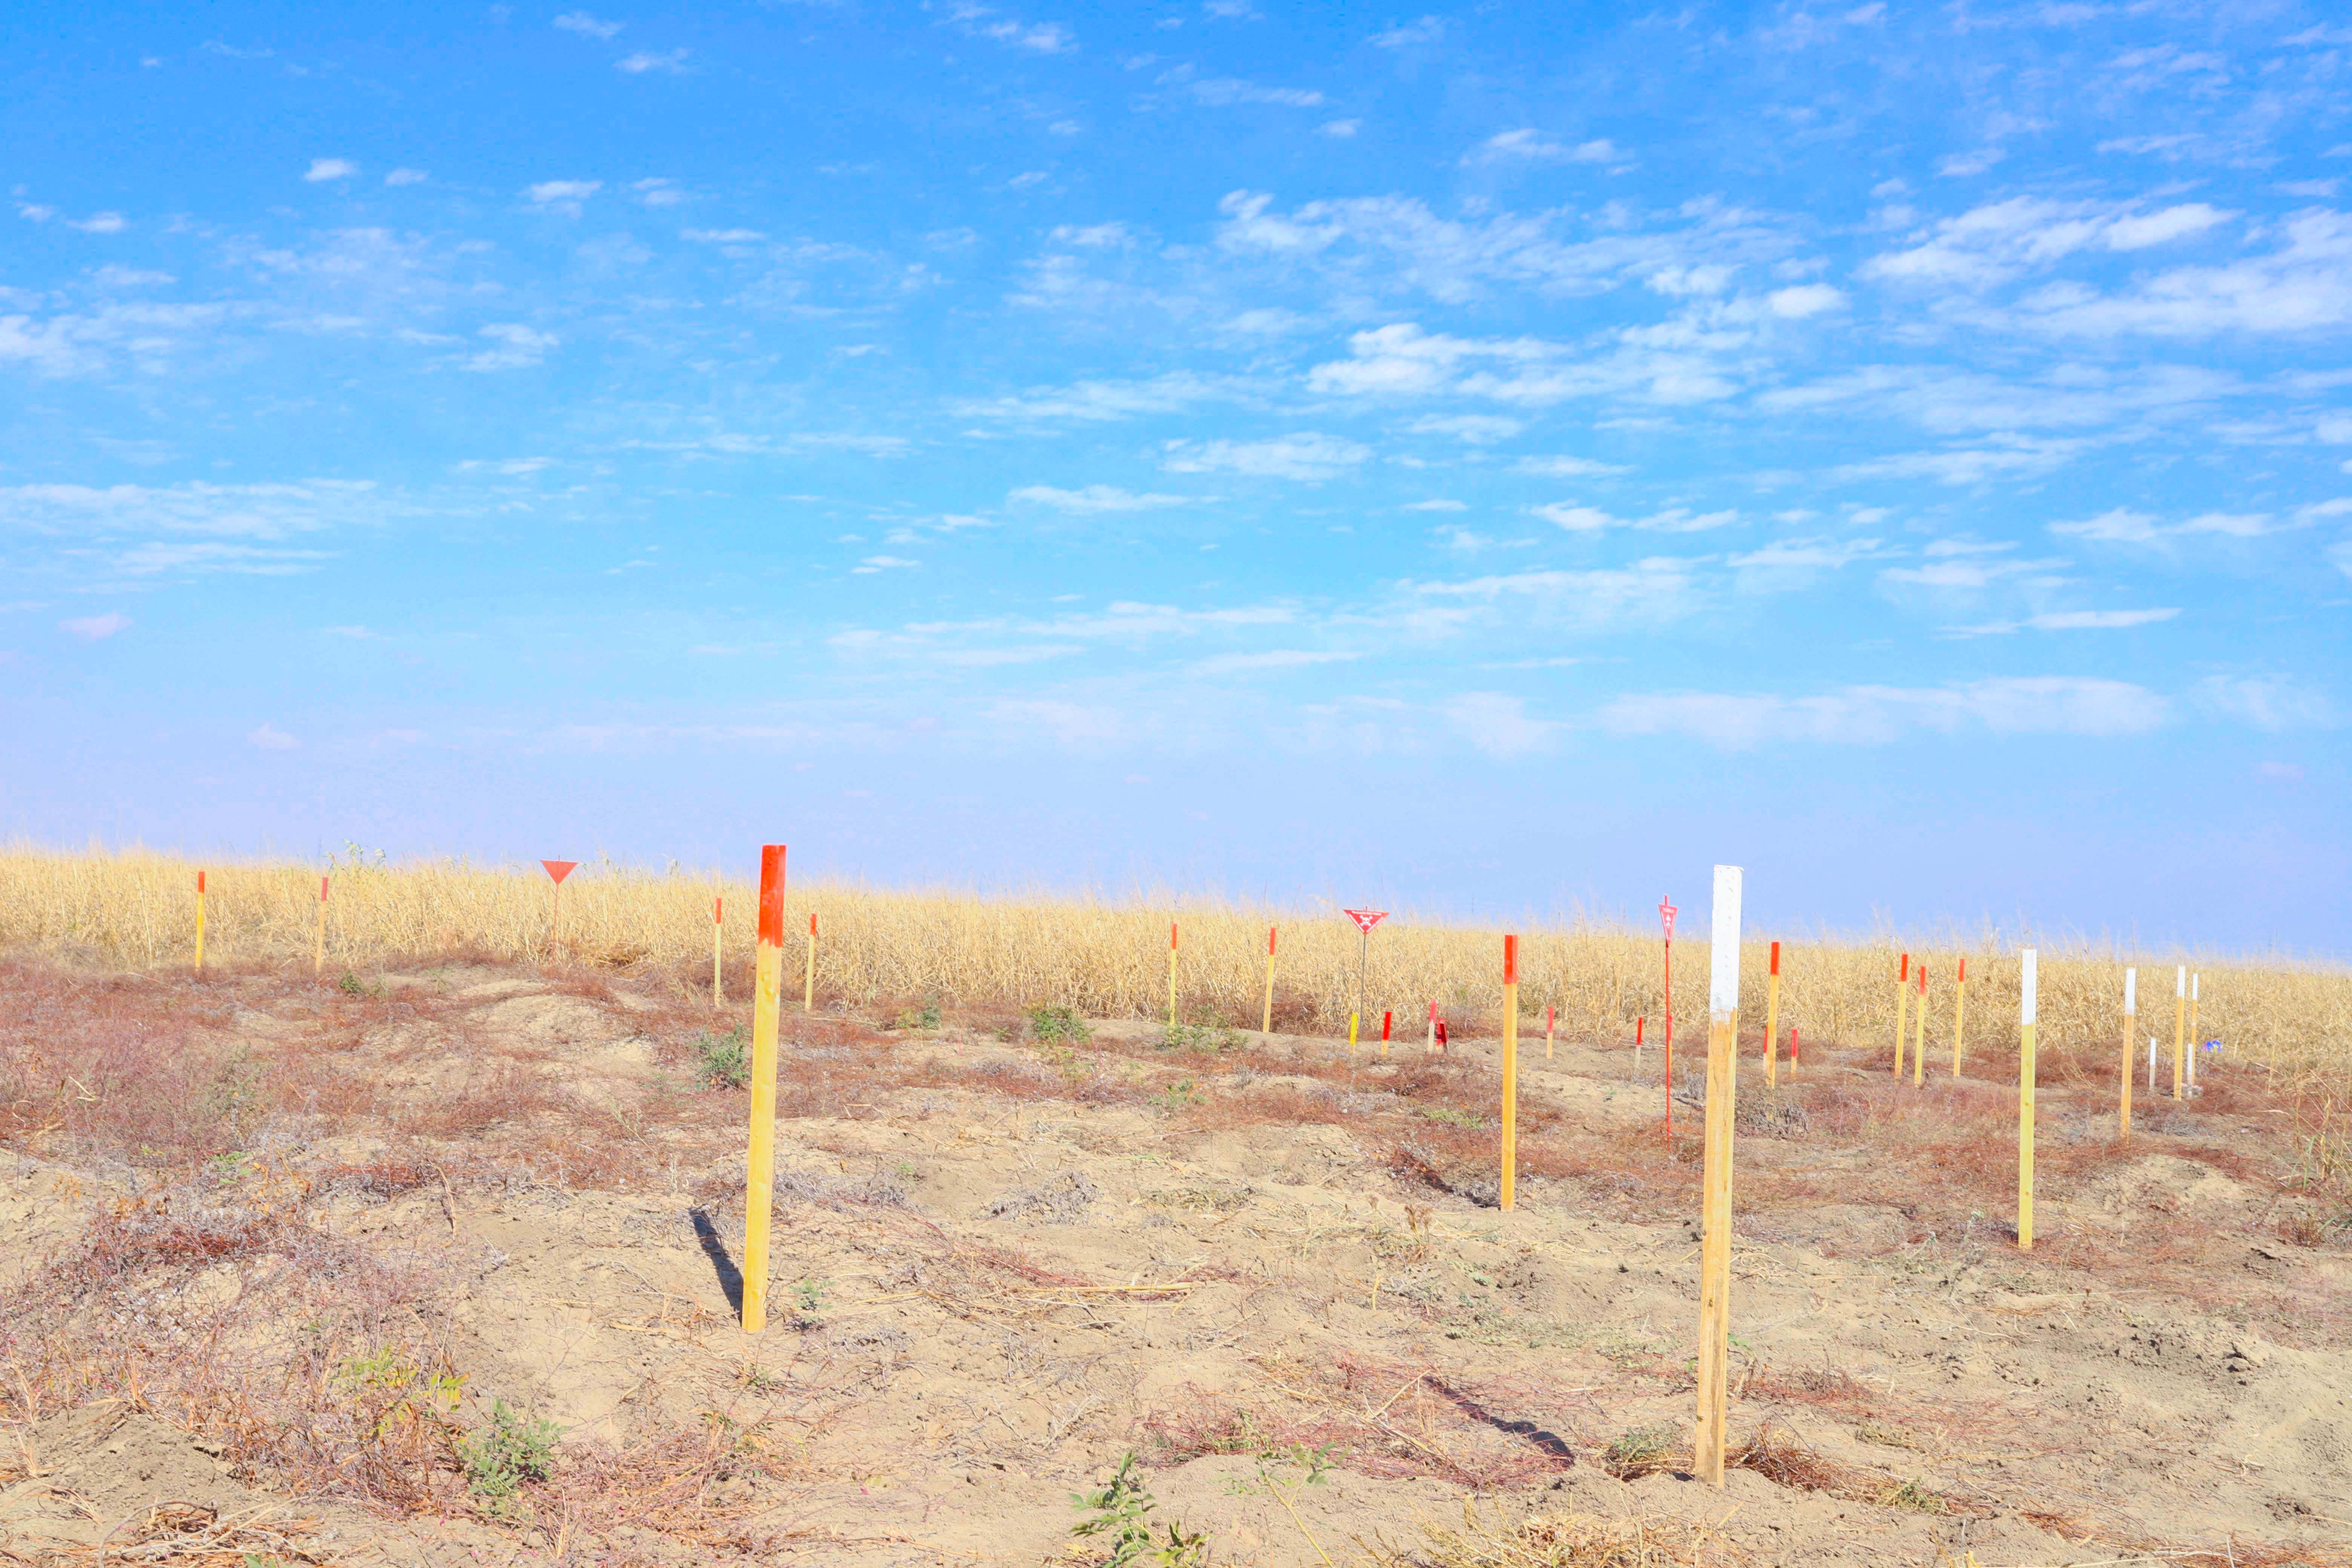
column 760, row 1176
column 2025, row 1076
column 1510, row 1177
column 2131, row 1028
column 1714, row 1242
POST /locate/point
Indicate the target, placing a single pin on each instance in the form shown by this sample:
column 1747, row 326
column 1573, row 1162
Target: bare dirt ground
column 274, row 1253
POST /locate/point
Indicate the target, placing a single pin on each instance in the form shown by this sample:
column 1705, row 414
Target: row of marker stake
column 1722, row 1079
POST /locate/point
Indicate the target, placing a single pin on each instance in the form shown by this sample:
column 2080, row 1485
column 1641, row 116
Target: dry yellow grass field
column 1108, row 958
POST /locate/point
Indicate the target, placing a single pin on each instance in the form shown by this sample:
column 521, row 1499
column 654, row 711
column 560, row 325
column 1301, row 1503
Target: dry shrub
column 1559, row 1540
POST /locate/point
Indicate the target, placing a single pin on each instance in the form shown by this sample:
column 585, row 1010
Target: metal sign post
column 1365, row 921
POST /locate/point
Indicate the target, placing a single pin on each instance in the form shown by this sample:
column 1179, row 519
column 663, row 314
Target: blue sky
column 1487, row 460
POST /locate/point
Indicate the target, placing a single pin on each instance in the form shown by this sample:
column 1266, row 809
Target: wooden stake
column 2025, row 1084
column 1351, row 1033
column 2131, row 1028
column 1715, row 1241
column 1386, row 1018
column 1171, row 974
column 1902, row 999
column 2179, row 1027
column 1510, row 1072
column 1772, row 1021
column 808, row 972
column 1960, row 1014
column 1793, row 1051
column 1637, row 1044
column 761, row 1175
column 1432, row 1028
column 200, row 923
column 717, row 950
column 2193, row 1042
column 1547, row 1013
column 318, row 941
column 1266, row 1018
column 1919, row 1038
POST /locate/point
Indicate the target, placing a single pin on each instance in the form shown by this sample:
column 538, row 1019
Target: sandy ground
column 1000, row 1266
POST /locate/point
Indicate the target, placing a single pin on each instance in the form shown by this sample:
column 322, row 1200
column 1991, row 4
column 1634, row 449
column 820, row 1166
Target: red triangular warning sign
column 1366, row 919
column 558, row 869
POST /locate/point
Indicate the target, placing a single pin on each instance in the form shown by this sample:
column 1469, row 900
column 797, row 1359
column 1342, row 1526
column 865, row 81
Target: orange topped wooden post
column 1510, row 1072
column 1919, row 1038
column 1265, row 1013
column 200, row 923
column 717, row 950
column 761, row 1173
column 1772, row 1021
column 1902, row 999
column 1171, row 974
column 1959, row 1013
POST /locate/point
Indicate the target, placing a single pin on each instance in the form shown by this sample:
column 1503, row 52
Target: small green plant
column 722, row 1061
column 504, row 1454
column 1053, row 1025
column 1451, row 1116
column 395, row 1392
column 1643, row 1451
column 808, row 1300
column 1074, row 1068
column 1915, row 1498
column 926, row 1016
column 1184, row 1092
column 1122, row 1511
column 351, row 985
column 1313, row 1464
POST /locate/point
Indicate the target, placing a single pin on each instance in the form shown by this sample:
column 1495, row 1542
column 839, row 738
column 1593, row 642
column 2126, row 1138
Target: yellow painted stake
column 1510, row 1183
column 2179, row 1028
column 1548, row 1020
column 2131, row 1028
column 1960, row 1014
column 717, row 951
column 1772, row 1021
column 808, row 970
column 2025, row 1075
column 1714, row 1206
column 1919, row 1039
column 1902, row 999
column 761, row 1173
column 1265, row 1017
column 319, row 940
column 200, row 923
column 1352, row 1032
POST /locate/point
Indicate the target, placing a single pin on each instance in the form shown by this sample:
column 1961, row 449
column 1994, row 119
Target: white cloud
column 1039, row 37
column 881, row 564
column 2003, row 240
column 1307, row 455
column 2269, row 702
column 1653, row 593
column 1673, row 520
column 2341, row 554
column 564, row 195
column 1407, row 34
column 1339, row 128
column 658, row 193
column 518, row 346
column 2304, row 285
column 1219, row 92
column 2121, row 525
column 1276, row 659
column 1096, row 402
column 722, row 236
column 96, row 628
column 1801, row 300
column 588, row 26
column 1441, row 504
column 270, row 738
column 670, row 60
column 1096, row 499
column 1477, row 429
column 406, row 177
column 331, row 169
column 1497, row 724
column 2071, row 621
column 1866, row 715
column 99, row 223
column 1536, row 146
column 1566, row 467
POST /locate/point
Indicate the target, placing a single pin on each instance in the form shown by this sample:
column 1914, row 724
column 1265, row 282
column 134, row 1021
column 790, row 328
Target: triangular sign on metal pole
column 1366, row 919
column 558, row 869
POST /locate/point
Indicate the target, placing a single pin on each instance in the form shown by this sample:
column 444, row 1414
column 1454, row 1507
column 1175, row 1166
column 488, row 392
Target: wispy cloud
column 1096, row 498
column 514, row 347
column 1876, row 715
column 96, row 628
column 588, row 26
column 1307, row 456
column 670, row 62
column 331, row 169
column 2070, row 621
column 1533, row 146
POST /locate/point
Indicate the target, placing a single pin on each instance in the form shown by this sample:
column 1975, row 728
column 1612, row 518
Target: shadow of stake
column 730, row 1279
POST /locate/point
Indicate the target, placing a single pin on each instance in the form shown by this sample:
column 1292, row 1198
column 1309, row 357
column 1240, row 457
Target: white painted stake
column 1715, row 1239
column 2131, row 1022
column 2026, row 1075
